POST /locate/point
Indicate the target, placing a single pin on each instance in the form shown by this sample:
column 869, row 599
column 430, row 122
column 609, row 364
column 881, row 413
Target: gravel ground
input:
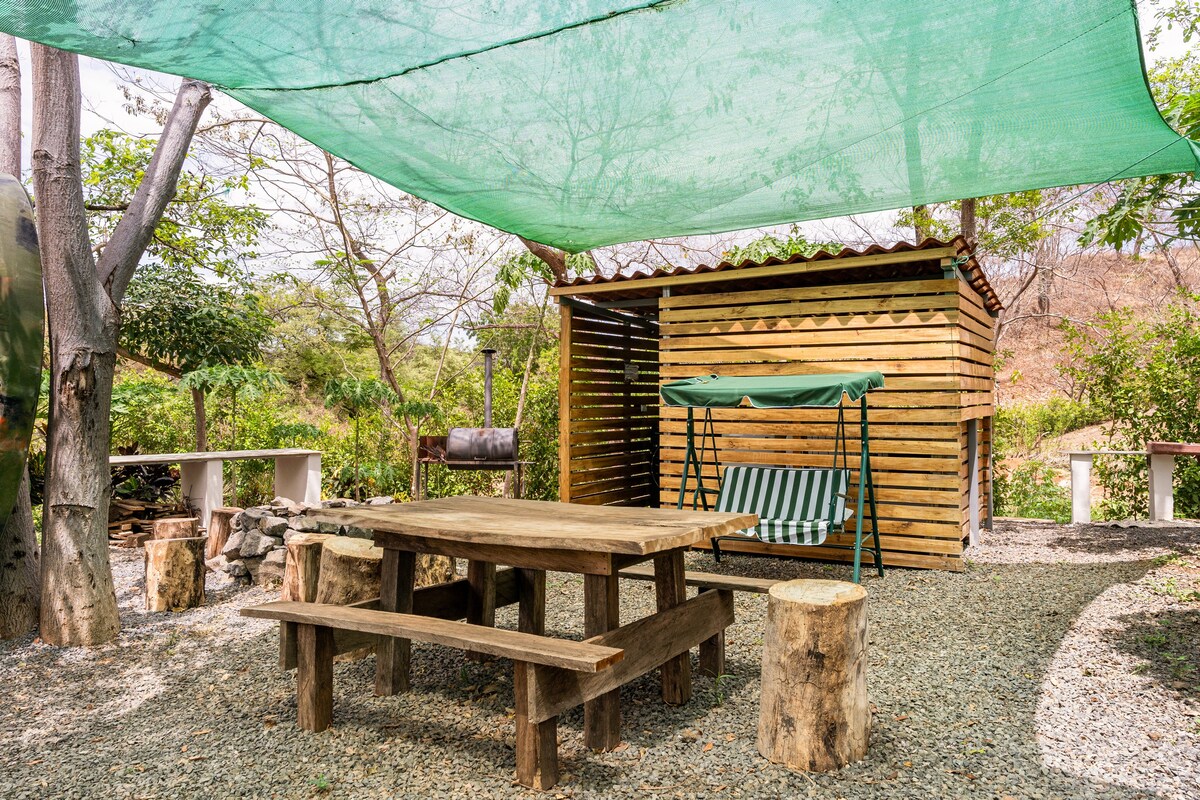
column 1062, row 664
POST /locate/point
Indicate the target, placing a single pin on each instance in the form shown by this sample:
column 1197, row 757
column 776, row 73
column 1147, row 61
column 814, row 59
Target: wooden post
column 174, row 573
column 481, row 602
column 175, row 528
column 712, row 652
column 302, row 570
column 601, row 614
column 314, row 677
column 814, row 715
column 531, row 599
column 537, row 742
column 392, row 655
column 220, row 525
column 670, row 590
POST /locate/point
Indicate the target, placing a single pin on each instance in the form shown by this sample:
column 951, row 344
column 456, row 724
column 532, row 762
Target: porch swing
column 795, row 505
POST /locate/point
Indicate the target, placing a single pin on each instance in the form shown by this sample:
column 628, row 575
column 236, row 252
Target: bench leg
column 537, row 742
column 314, row 677
column 601, row 614
column 670, row 590
column 712, row 653
column 531, row 599
column 397, row 576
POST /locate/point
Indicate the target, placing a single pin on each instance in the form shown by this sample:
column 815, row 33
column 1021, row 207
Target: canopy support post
column 866, row 493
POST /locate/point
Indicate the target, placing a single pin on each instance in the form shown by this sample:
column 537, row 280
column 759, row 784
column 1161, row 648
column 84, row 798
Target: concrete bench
column 297, row 474
column 1161, row 456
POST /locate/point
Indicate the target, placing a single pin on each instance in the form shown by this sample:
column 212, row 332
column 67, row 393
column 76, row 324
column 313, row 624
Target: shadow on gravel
column 1113, row 540
column 1166, row 642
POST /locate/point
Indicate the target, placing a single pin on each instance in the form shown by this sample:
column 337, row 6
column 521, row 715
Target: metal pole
column 488, row 352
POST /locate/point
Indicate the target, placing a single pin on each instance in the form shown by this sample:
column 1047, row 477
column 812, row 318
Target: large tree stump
column 175, row 528
column 303, row 567
column 814, row 714
column 220, row 525
column 174, row 574
column 350, row 570
column 432, row 570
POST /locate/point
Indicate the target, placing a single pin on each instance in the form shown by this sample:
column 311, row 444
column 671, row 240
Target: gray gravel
column 1061, row 664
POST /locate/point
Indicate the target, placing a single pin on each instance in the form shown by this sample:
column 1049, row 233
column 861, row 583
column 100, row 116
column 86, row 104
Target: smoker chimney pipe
column 488, row 352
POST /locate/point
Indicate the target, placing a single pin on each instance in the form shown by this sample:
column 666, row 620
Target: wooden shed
column 923, row 315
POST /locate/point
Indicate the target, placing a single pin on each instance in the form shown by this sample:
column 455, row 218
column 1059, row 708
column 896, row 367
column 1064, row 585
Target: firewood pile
column 130, row 520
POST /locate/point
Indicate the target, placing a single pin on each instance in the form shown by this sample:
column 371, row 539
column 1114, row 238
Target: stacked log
column 174, row 573
column 130, row 521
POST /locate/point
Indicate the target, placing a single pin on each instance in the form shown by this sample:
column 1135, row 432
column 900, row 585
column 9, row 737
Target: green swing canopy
column 774, row 391
column 581, row 123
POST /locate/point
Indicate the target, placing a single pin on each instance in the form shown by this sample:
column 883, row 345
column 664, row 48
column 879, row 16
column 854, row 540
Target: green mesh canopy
column 580, row 123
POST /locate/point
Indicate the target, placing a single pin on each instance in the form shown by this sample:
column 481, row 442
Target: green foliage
column 200, row 228
column 1007, row 224
column 358, row 396
column 769, row 246
column 173, row 316
column 149, row 413
column 1031, row 490
column 1144, row 376
column 1020, row 429
column 515, row 271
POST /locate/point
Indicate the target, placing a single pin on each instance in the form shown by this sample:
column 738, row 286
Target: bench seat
column 794, row 505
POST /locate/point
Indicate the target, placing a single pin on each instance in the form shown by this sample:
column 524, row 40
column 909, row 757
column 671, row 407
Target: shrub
column 1031, row 490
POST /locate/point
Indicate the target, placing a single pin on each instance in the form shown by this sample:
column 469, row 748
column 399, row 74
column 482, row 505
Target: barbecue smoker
column 485, row 448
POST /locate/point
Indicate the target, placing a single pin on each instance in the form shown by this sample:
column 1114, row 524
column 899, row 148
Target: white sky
column 104, row 103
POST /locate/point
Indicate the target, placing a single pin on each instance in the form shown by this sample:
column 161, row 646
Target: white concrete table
column 297, row 474
column 1162, row 468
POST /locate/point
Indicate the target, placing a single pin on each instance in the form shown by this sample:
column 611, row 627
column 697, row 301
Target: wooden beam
column 601, row 613
column 705, row 580
column 314, row 676
column 647, row 643
column 669, row 592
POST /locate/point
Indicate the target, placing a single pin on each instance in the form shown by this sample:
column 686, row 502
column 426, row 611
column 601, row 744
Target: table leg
column 481, row 602
column 1162, row 498
column 1081, row 487
column 537, row 742
column 601, row 613
column 670, row 590
column 397, row 578
column 531, row 599
column 712, row 653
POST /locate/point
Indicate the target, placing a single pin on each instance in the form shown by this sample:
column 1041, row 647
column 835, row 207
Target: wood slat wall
column 608, row 409
column 930, row 337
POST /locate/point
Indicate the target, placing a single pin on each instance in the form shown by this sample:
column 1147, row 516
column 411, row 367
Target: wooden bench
column 550, row 675
column 712, row 650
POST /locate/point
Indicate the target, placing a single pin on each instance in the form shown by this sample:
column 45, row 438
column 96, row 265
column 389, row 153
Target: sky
column 104, row 107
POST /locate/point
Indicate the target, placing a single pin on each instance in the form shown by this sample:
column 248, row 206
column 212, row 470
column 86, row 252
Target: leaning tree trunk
column 18, row 537
column 78, row 603
column 201, row 420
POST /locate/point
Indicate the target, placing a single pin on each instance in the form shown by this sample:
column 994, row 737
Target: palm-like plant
column 357, row 396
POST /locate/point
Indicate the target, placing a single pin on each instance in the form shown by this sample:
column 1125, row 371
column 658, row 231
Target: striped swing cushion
column 792, row 504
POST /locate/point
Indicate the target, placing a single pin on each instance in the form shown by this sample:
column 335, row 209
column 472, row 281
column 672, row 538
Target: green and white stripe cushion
column 792, row 504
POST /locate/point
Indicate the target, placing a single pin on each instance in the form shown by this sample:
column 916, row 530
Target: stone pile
column 256, row 550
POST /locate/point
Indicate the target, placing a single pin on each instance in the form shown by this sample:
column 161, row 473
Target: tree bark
column 78, row 603
column 967, row 223
column 555, row 259
column 174, row 574
column 919, row 215
column 18, row 538
column 201, row 420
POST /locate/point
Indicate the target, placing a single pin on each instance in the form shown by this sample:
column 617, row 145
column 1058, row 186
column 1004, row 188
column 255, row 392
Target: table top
column 211, row 455
column 543, row 525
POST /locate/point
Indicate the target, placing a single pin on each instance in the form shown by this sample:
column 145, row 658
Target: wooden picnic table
column 532, row 537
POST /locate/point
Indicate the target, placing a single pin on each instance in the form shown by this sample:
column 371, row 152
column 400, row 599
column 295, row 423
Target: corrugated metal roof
column 971, row 270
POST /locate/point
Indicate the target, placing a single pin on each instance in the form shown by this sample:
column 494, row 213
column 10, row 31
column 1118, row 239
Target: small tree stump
column 814, row 713
column 174, row 574
column 175, row 528
column 432, row 570
column 220, row 525
column 303, row 568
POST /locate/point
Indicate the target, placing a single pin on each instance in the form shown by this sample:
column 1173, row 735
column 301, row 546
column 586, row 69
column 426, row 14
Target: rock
column 273, row 526
column 218, row 563
column 305, row 524
column 257, row 544
column 269, row 571
column 337, row 502
column 357, row 533
column 237, row 569
column 233, row 545
column 251, row 516
column 380, row 501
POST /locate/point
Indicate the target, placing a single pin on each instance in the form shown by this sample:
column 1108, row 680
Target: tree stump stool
column 220, row 525
column 174, row 573
column 814, row 715
column 302, row 570
column 175, row 528
column 350, row 572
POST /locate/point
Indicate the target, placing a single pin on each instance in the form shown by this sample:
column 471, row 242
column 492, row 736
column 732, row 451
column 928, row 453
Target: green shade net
column 580, row 123
column 773, row 391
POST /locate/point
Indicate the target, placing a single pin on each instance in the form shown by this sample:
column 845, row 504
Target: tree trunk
column 18, row 537
column 350, row 570
column 967, row 222
column 920, row 213
column 78, row 603
column 174, row 574
column 201, row 420
column 175, row 528
column 814, row 714
column 302, row 571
